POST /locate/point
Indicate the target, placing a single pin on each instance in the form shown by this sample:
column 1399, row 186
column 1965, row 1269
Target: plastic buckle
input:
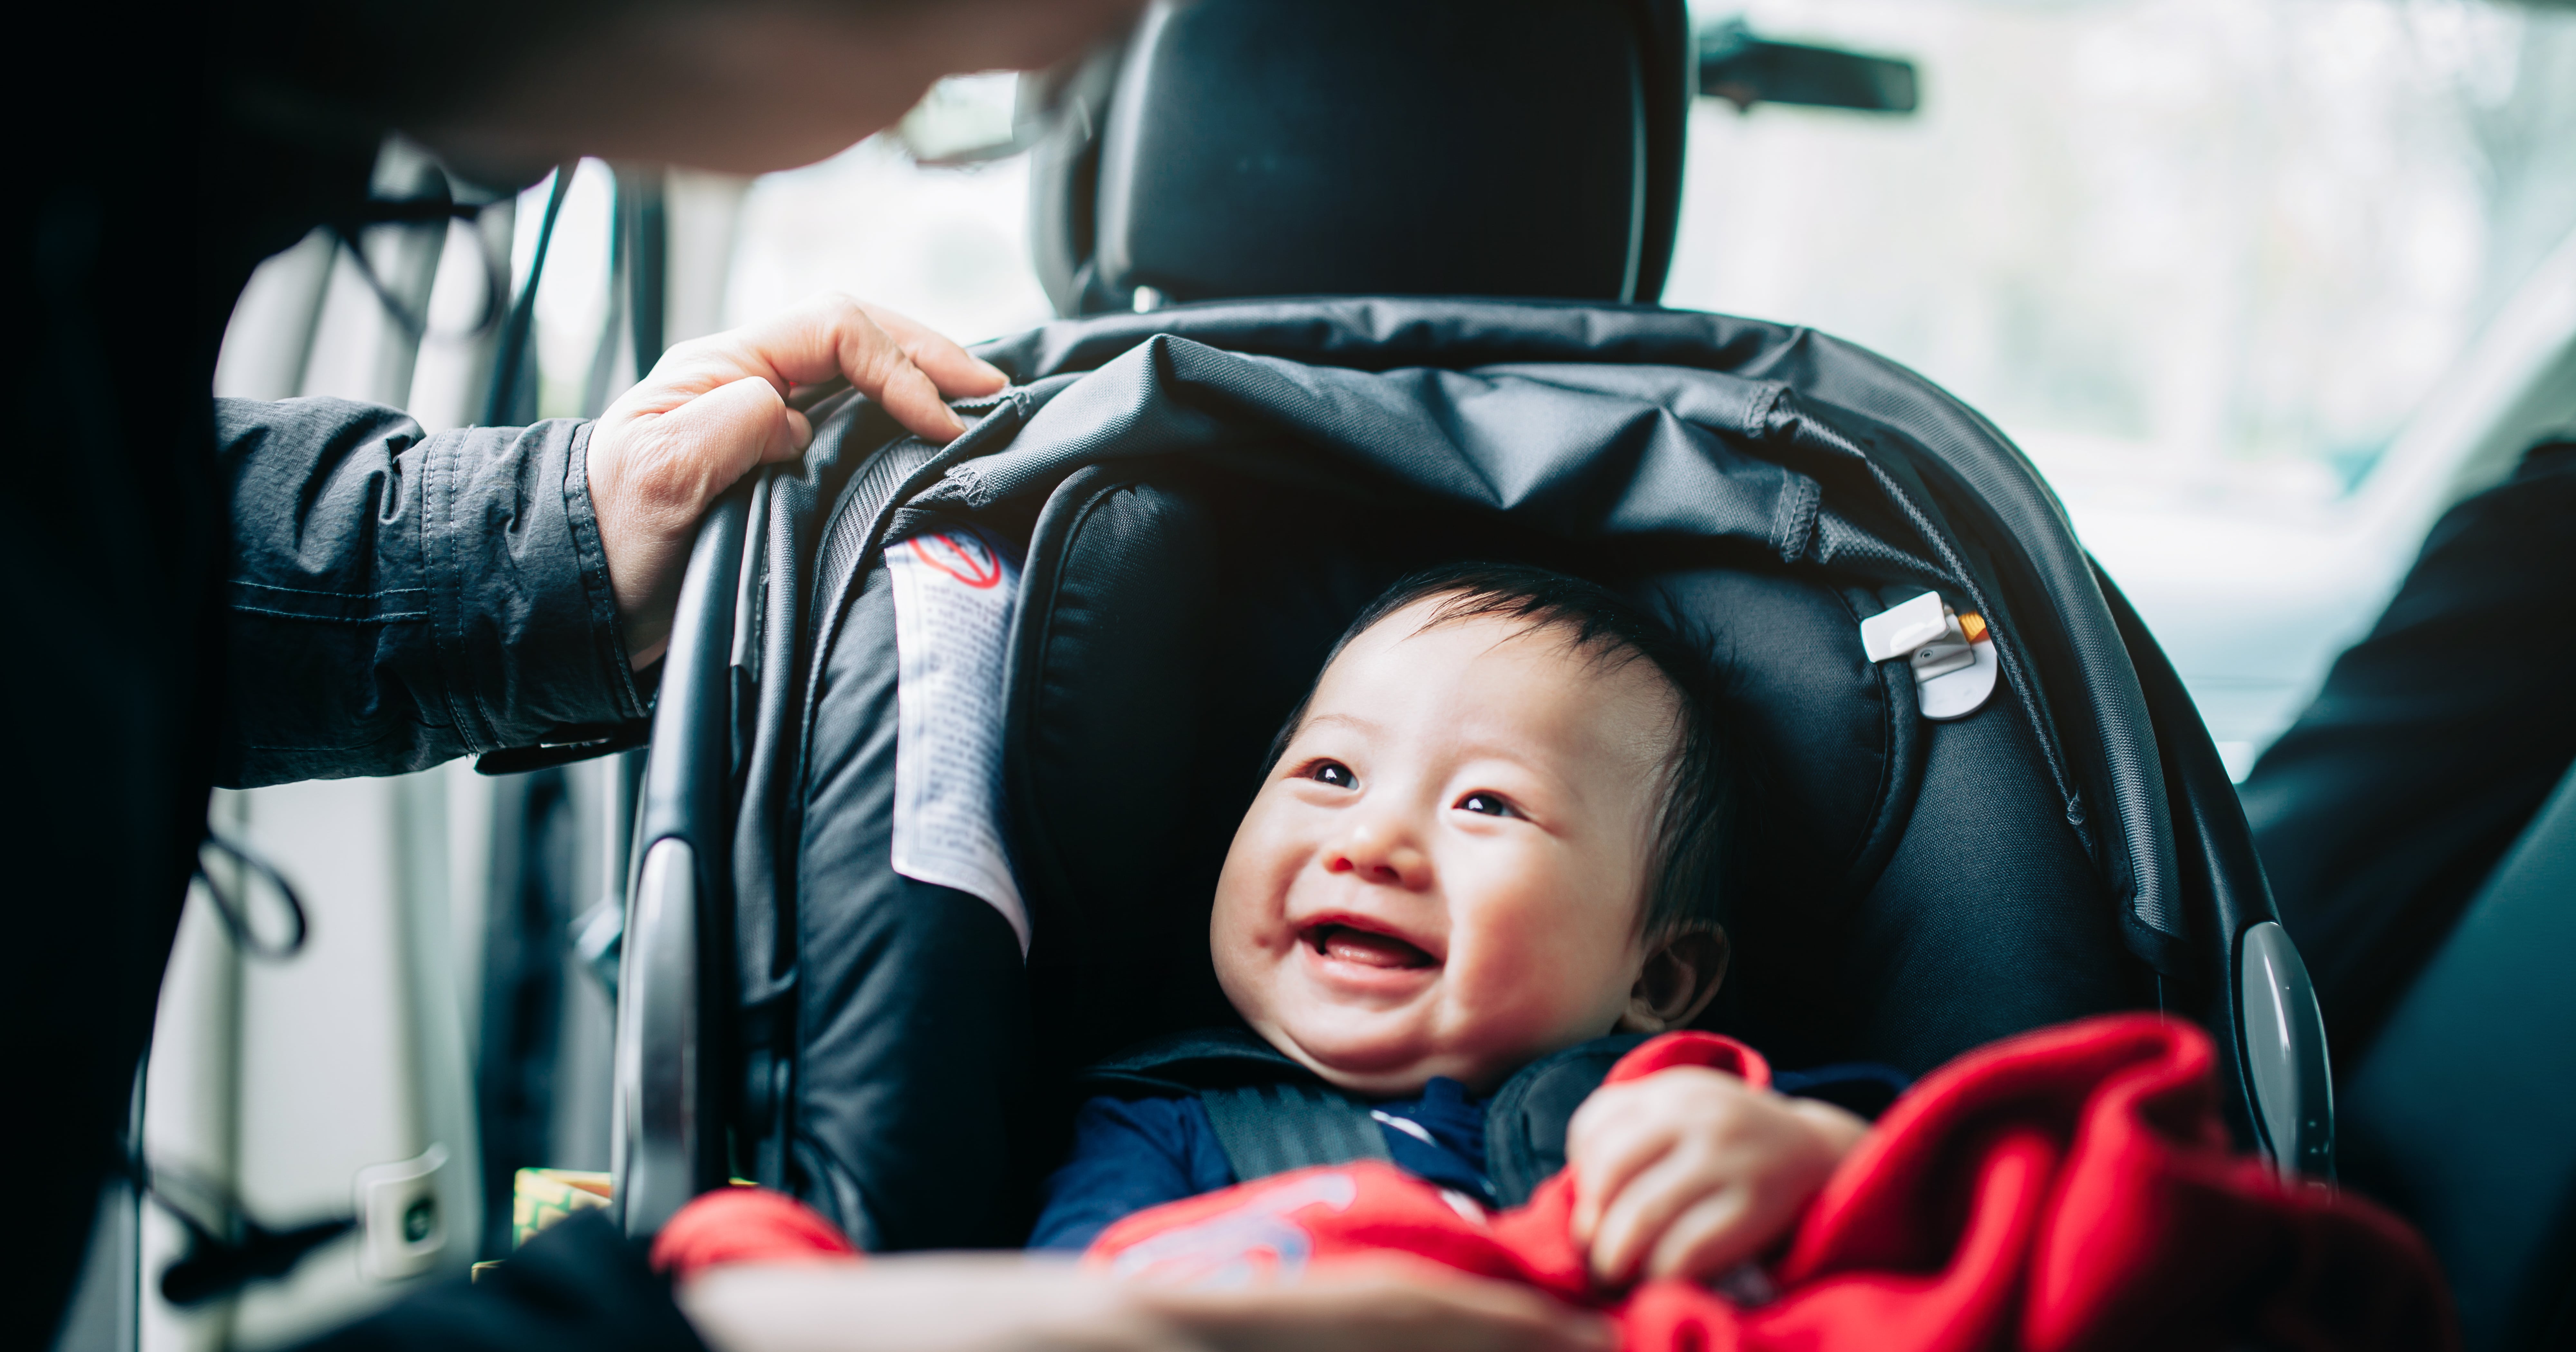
column 1952, row 655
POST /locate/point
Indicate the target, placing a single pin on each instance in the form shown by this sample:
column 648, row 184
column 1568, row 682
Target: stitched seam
column 491, row 723
column 447, row 639
column 1033, row 821
column 390, row 617
column 334, row 595
column 1882, row 798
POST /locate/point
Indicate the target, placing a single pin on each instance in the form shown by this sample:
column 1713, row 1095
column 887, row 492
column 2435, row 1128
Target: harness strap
column 1272, row 1128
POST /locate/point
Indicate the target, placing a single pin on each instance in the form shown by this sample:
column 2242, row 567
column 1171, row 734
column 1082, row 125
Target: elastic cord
column 235, row 910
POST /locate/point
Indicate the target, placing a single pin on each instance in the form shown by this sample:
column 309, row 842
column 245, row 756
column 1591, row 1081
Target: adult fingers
column 878, row 367
column 910, row 371
column 958, row 373
column 905, row 367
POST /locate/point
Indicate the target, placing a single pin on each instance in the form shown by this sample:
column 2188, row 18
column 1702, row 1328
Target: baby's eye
column 1490, row 804
column 1334, row 773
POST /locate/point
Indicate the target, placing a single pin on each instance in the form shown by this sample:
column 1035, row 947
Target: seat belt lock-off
column 1952, row 655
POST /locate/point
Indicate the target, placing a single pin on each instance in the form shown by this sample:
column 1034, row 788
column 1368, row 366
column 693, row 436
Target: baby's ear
column 1680, row 977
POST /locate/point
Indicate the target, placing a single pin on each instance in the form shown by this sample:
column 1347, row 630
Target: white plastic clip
column 1952, row 655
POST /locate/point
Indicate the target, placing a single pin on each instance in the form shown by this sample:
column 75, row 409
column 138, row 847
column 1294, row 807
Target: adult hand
column 980, row 1303
column 1689, row 1171
column 713, row 408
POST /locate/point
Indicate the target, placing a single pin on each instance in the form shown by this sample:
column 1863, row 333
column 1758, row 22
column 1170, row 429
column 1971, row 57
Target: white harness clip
column 1953, row 656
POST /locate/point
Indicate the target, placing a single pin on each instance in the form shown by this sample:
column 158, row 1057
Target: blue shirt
column 1134, row 1153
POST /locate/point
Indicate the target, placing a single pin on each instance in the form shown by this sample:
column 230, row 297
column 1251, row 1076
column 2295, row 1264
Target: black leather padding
column 1116, row 878
column 1421, row 147
column 898, row 1079
column 1525, row 1124
column 1966, row 936
column 1830, row 752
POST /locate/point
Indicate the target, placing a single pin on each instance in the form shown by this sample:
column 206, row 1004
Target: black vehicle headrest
column 1390, row 147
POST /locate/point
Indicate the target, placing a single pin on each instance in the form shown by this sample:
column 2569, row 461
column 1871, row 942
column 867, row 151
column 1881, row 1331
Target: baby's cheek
column 1545, row 989
column 1236, row 944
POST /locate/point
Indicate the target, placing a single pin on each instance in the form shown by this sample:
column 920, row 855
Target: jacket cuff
column 528, row 627
column 592, row 555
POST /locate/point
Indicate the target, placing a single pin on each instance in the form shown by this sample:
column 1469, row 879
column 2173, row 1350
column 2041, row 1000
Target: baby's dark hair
column 1691, row 846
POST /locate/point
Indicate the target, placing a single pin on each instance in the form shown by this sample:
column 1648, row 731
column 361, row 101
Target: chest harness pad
column 1273, row 1115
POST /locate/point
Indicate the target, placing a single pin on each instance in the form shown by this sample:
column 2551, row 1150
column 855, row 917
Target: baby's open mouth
column 1368, row 948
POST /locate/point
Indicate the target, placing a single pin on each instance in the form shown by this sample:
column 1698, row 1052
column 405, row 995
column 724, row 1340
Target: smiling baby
column 1492, row 833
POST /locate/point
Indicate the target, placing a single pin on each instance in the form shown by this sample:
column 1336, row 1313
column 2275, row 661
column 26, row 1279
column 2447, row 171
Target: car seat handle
column 659, row 1065
column 2284, row 1032
column 666, row 1144
column 2255, row 998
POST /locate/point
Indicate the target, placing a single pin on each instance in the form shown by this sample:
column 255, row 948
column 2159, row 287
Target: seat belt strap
column 1272, row 1128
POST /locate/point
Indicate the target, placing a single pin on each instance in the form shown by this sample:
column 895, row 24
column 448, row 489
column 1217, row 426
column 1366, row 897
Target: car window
column 2204, row 260
column 2188, row 247
column 947, row 246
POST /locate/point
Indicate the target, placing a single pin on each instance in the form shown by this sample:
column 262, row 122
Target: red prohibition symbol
column 961, row 556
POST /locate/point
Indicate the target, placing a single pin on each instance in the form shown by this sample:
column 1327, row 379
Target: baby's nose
column 1378, row 855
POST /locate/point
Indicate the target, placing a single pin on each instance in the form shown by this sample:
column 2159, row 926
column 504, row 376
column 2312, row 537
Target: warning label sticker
column 954, row 596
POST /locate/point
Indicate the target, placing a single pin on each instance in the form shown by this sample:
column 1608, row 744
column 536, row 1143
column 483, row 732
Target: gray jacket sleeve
column 396, row 600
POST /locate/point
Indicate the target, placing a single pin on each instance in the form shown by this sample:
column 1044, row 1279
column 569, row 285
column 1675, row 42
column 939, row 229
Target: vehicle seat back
column 2463, row 1114
column 1428, row 147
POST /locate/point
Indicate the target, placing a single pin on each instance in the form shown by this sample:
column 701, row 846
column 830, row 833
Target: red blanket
column 2071, row 1188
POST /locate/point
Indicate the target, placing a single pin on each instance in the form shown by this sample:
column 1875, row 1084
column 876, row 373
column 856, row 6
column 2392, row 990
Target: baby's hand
column 1688, row 1172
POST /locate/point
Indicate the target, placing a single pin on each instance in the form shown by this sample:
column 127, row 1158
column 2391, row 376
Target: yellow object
column 1973, row 625
column 541, row 1197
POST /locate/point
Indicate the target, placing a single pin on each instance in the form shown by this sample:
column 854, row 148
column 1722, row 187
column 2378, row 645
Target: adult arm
column 991, row 1303
column 396, row 600
column 581, row 1285
column 2431, row 745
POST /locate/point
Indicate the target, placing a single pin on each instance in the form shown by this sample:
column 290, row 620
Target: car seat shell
column 1910, row 490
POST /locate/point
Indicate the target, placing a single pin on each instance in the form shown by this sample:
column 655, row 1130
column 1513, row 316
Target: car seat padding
column 876, row 1097
column 1175, row 613
column 1989, row 919
column 1272, row 1114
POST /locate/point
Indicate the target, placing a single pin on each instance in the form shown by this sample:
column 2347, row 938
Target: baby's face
column 1444, row 874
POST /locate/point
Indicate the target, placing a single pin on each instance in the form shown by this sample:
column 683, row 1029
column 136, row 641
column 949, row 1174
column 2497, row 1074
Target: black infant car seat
column 1201, row 497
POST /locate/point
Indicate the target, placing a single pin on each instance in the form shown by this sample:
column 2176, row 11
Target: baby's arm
column 1128, row 1154
column 1689, row 1172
